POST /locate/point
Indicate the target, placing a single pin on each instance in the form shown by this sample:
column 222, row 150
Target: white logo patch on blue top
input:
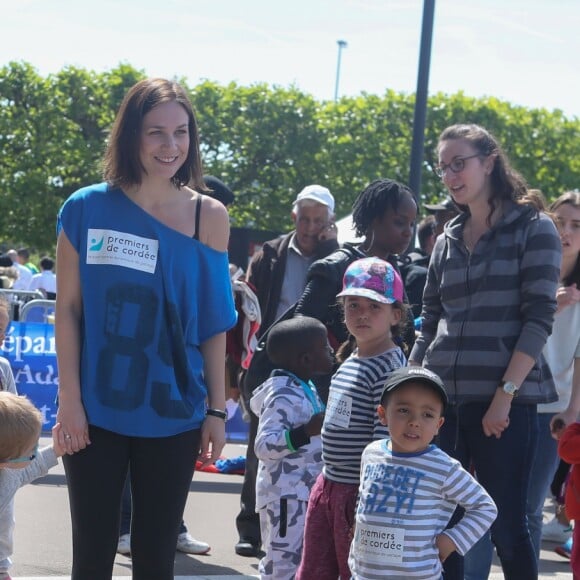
column 121, row 249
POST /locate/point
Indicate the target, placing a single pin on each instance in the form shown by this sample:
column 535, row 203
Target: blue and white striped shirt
column 405, row 501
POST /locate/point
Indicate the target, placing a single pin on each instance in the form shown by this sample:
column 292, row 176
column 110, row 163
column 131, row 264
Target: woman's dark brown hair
column 122, row 166
column 506, row 182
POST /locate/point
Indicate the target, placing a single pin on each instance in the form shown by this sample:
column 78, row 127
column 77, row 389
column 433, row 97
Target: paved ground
column 43, row 532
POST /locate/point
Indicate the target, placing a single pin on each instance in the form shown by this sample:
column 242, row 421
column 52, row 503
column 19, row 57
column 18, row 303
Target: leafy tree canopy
column 265, row 142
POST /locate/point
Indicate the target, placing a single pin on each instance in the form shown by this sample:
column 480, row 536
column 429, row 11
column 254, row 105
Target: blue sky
column 523, row 51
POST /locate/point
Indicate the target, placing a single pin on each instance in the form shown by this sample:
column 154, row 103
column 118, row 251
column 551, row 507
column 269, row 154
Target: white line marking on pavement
column 228, row 577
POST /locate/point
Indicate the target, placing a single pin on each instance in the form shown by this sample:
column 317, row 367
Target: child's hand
column 58, row 450
column 445, row 545
column 314, row 426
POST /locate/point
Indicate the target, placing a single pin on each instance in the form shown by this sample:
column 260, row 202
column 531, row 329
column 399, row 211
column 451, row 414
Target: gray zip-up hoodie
column 479, row 308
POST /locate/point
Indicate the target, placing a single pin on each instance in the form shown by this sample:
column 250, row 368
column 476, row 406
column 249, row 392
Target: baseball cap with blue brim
column 414, row 374
column 373, row 278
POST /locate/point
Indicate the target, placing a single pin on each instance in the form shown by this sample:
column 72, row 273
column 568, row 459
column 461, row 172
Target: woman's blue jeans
column 503, row 467
column 543, row 471
column 478, row 560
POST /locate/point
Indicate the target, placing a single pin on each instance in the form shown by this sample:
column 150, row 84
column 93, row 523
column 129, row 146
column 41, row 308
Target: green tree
column 265, row 142
column 262, row 142
column 52, row 134
column 25, row 130
column 364, row 138
column 544, row 146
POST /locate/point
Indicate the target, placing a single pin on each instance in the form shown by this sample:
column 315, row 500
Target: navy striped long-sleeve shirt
column 351, row 421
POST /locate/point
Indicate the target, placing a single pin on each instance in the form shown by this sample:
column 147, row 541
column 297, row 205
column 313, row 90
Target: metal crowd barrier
column 18, row 298
column 38, row 311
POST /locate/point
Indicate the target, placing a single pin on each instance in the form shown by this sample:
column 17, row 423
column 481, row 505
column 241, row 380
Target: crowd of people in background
column 18, row 272
column 404, row 404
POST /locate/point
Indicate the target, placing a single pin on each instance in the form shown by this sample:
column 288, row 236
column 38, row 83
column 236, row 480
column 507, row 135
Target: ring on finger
column 67, row 436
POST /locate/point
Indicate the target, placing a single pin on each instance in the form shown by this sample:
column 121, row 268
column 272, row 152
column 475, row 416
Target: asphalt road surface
column 43, row 543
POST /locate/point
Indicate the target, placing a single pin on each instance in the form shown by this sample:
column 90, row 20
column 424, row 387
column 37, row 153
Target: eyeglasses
column 457, row 165
column 24, row 457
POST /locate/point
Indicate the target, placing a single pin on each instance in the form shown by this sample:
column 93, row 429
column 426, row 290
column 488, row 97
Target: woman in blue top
column 140, row 333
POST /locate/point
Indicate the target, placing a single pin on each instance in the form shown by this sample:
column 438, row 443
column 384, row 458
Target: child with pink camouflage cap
column 372, row 297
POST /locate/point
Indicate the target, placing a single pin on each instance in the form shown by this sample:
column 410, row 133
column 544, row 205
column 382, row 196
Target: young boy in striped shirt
column 410, row 488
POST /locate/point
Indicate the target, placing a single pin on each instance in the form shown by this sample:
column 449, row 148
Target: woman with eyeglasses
column 488, row 308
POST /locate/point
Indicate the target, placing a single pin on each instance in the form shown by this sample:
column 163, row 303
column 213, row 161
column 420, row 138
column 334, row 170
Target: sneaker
column 189, row 545
column 554, row 531
column 565, row 549
column 124, row 545
column 248, row 549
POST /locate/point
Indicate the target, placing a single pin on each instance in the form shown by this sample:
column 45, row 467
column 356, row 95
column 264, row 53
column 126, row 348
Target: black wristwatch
column 217, row 413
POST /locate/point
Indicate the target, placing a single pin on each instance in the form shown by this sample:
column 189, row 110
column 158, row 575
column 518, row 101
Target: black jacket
column 325, row 282
column 414, row 275
column 266, row 274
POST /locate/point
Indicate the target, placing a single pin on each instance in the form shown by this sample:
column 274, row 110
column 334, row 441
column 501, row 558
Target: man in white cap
column 278, row 271
column 278, row 274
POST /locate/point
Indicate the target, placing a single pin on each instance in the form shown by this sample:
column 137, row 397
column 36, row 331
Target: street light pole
column 417, row 146
column 341, row 44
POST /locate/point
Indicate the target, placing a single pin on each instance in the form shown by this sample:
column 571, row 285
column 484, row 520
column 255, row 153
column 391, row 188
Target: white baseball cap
column 316, row 193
